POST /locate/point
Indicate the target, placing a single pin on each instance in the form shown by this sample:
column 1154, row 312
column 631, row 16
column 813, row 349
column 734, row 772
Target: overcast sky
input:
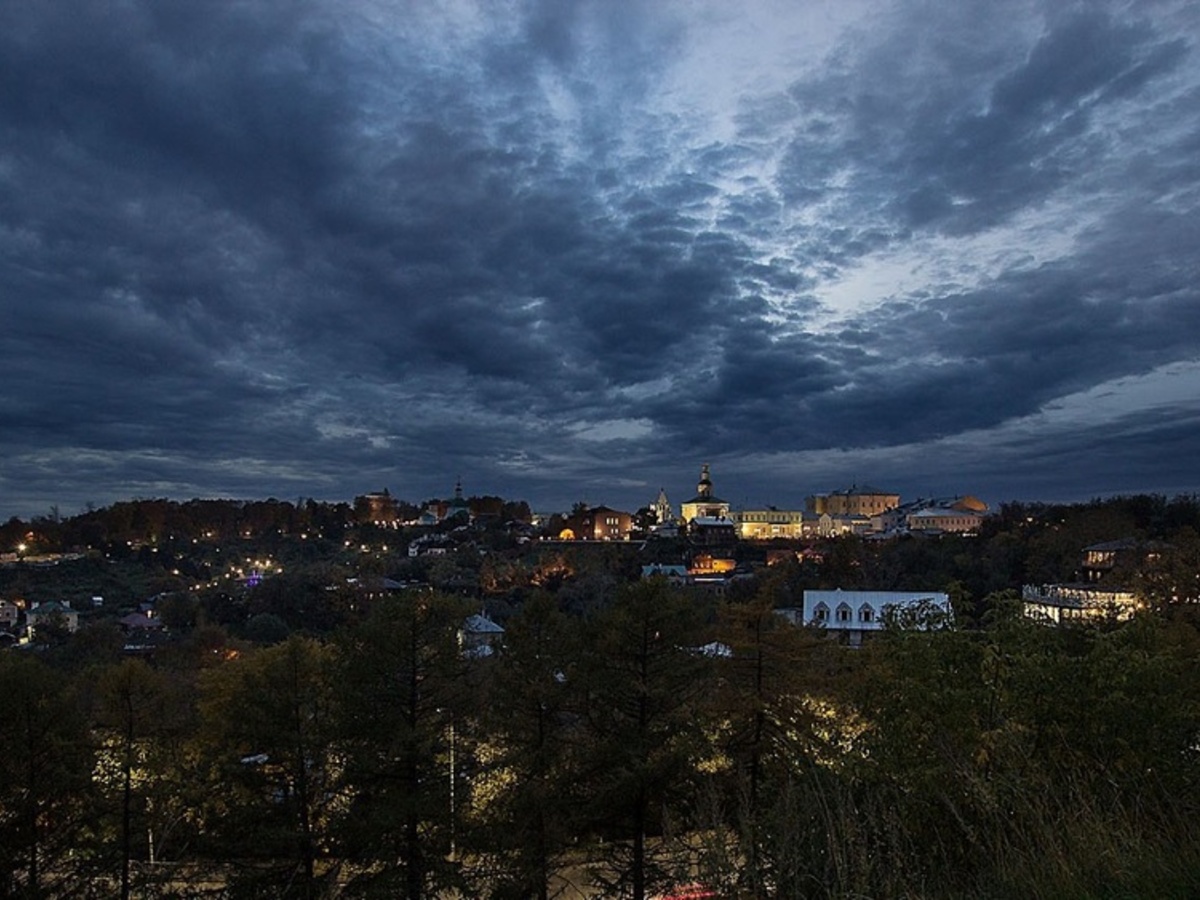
column 572, row 250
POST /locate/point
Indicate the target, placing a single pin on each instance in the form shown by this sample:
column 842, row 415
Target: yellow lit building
column 768, row 523
column 705, row 564
column 705, row 505
column 598, row 523
column 854, row 501
column 1058, row 603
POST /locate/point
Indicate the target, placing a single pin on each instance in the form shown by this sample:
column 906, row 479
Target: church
column 705, row 505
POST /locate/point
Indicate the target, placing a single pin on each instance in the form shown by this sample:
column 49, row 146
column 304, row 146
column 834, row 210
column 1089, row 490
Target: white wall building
column 856, row 613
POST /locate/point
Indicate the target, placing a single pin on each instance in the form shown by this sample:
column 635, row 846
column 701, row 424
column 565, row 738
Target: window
column 866, row 614
column 821, row 613
column 843, row 613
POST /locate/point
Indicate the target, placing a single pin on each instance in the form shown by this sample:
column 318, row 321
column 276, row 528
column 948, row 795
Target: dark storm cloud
column 1035, row 134
column 311, row 248
column 981, row 145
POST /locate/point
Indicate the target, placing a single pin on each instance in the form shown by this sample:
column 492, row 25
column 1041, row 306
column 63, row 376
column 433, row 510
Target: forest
column 628, row 736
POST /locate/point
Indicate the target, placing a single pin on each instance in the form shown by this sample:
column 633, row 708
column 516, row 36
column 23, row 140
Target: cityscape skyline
column 570, row 252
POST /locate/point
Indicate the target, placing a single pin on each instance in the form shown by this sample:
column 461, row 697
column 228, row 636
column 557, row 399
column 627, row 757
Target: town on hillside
column 186, row 554
column 461, row 698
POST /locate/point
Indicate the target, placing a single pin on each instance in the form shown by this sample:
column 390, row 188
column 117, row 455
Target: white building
column 943, row 519
column 856, row 613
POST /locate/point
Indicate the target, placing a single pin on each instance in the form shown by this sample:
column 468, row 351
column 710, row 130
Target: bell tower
column 705, row 504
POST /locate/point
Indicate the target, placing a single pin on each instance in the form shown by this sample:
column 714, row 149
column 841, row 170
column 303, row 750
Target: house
column 480, row 636
column 598, row 523
column 707, row 572
column 665, row 530
column 960, row 514
column 9, row 613
column 712, row 531
column 674, row 574
column 853, row 501
column 829, row 525
column 1118, row 558
column 1080, row 602
column 139, row 621
column 45, row 612
column 945, row 520
column 1103, row 591
column 430, row 545
column 768, row 523
column 855, row 614
column 706, row 564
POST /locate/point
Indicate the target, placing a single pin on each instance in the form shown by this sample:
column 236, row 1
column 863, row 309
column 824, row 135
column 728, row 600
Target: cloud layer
column 570, row 251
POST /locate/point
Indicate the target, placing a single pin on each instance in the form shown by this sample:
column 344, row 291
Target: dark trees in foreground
column 649, row 742
column 404, row 704
column 641, row 678
column 527, row 794
column 44, row 779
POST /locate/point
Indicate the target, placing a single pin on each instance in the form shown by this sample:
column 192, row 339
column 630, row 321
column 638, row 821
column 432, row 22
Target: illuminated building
column 598, row 523
column 705, row 505
column 855, row 614
column 943, row 519
column 853, row 501
column 663, row 514
column 1059, row 603
column 768, row 523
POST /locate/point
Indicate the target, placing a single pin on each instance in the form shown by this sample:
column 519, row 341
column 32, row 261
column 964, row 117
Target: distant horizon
column 676, row 498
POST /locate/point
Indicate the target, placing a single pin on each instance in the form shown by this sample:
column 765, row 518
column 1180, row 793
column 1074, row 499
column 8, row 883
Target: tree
column 402, row 695
column 1169, row 576
column 765, row 701
column 133, row 710
column 269, row 724
column 44, row 775
column 526, row 792
column 639, row 681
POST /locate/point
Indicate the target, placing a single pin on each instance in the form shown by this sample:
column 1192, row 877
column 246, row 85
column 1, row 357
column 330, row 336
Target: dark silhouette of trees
column 269, row 731
column 640, row 681
column 527, row 809
column 44, row 779
column 403, row 700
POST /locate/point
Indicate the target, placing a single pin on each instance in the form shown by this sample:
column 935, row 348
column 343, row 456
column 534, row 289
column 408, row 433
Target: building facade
column 599, row 523
column 944, row 520
column 855, row 614
column 1062, row 603
column 766, row 524
column 853, row 501
column 705, row 505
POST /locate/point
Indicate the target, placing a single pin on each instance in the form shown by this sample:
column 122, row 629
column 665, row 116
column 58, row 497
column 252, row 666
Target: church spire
column 704, row 488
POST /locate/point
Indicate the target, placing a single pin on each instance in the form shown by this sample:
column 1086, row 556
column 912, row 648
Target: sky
column 571, row 251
